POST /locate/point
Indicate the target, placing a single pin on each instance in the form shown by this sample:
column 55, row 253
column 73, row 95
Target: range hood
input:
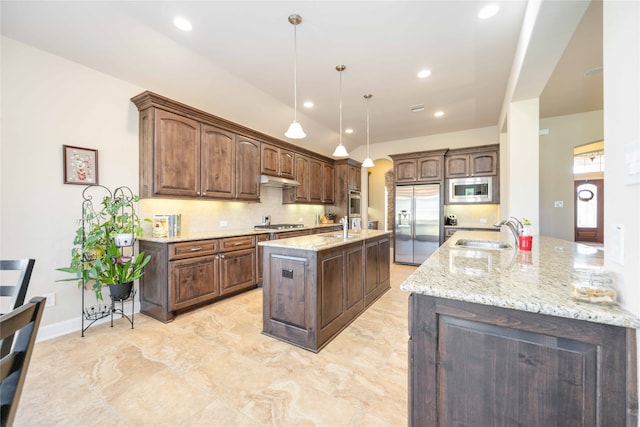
column 277, row 181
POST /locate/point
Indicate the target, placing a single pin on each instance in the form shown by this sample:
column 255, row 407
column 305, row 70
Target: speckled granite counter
column 318, row 242
column 219, row 234
column 536, row 281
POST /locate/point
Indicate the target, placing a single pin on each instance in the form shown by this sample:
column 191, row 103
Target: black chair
column 17, row 291
column 21, row 325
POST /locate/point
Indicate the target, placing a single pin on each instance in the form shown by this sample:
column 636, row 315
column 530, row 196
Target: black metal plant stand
column 93, row 313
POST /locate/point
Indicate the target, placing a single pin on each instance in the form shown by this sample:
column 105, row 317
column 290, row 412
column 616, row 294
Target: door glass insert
column 587, row 206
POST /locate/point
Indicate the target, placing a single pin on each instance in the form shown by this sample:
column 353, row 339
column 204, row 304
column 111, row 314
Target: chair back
column 15, row 292
column 22, row 326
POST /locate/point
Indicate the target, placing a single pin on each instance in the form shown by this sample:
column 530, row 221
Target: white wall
column 556, row 168
column 621, row 23
column 467, row 138
column 48, row 102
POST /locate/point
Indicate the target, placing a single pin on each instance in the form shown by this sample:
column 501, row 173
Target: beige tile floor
column 213, row 367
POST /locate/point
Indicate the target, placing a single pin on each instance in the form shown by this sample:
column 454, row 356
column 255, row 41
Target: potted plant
column 98, row 258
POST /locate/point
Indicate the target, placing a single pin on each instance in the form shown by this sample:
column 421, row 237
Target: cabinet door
column 286, row 164
column 328, row 182
column 176, row 165
column 247, row 168
column 377, row 269
column 259, row 256
column 405, row 170
column 430, row 168
column 237, row 270
column 302, row 176
column 484, row 164
column 218, row 160
column 192, row 281
column 457, row 166
column 270, row 156
column 315, row 181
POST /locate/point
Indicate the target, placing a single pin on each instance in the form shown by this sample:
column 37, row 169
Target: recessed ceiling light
column 488, row 11
column 308, row 104
column 417, row 108
column 182, row 23
column 349, row 130
column 423, row 74
column 438, row 114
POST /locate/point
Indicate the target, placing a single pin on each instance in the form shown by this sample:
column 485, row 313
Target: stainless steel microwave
column 471, row 190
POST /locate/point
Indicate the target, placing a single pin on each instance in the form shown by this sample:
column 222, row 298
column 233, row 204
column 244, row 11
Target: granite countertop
column 536, row 281
column 219, row 234
column 319, row 242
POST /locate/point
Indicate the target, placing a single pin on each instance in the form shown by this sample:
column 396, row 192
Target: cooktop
column 277, row 226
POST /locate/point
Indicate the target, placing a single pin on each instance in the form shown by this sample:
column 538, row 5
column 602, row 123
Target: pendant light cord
column 368, row 156
column 295, row 73
column 341, row 107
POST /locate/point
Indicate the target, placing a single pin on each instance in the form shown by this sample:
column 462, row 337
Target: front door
column 589, row 210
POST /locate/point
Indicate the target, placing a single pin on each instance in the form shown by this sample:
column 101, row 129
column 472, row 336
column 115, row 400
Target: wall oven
column 471, row 190
column 354, row 204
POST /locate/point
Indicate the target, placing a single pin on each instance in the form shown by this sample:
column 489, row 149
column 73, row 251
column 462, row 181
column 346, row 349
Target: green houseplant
column 98, row 257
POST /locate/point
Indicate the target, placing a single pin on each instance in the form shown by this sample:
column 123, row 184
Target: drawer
column 192, row 249
column 236, row 243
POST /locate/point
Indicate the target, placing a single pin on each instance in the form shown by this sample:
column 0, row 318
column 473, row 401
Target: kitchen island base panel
column 472, row 364
column 310, row 296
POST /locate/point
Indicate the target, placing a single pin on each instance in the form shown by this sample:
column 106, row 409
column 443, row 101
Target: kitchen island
column 315, row 286
column 496, row 339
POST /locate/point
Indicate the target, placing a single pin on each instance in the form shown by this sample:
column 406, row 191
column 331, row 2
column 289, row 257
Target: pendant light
column 368, row 163
column 340, row 151
column 295, row 130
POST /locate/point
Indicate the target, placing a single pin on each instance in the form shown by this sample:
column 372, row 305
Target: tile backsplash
column 475, row 215
column 209, row 215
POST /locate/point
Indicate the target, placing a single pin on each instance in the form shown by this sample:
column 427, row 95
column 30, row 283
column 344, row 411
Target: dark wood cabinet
column 347, row 178
column 172, row 159
column 193, row 280
column 473, row 364
column 377, row 273
column 247, row 168
column 328, row 183
column 237, row 264
column 185, row 152
column 316, row 185
column 472, row 161
column 277, row 161
column 218, row 160
column 420, row 167
column 310, row 296
column 259, row 252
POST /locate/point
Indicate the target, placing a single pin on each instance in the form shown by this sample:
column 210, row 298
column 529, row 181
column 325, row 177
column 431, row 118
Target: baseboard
column 75, row 325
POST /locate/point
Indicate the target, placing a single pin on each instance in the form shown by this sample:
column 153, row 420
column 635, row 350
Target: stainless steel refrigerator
column 417, row 222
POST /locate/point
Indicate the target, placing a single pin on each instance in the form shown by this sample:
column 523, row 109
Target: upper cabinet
column 185, row 152
column 426, row 166
column 277, row 161
column 472, row 161
column 316, row 178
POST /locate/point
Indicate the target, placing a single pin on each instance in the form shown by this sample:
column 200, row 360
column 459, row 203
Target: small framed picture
column 80, row 165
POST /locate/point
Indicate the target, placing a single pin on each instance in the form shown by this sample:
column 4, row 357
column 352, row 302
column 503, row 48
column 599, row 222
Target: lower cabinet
column 377, row 265
column 478, row 365
column 310, row 296
column 237, row 271
column 183, row 275
column 193, row 280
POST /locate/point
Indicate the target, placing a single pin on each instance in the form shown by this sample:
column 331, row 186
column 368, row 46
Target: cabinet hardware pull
column 222, row 257
column 195, row 249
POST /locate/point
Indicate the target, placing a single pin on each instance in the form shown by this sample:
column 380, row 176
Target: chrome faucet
column 345, row 227
column 514, row 225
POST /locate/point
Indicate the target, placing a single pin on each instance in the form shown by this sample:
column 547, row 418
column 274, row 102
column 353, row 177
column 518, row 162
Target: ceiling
column 383, row 45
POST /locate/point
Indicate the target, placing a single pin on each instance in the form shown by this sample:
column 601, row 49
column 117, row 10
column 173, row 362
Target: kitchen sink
column 483, row 244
